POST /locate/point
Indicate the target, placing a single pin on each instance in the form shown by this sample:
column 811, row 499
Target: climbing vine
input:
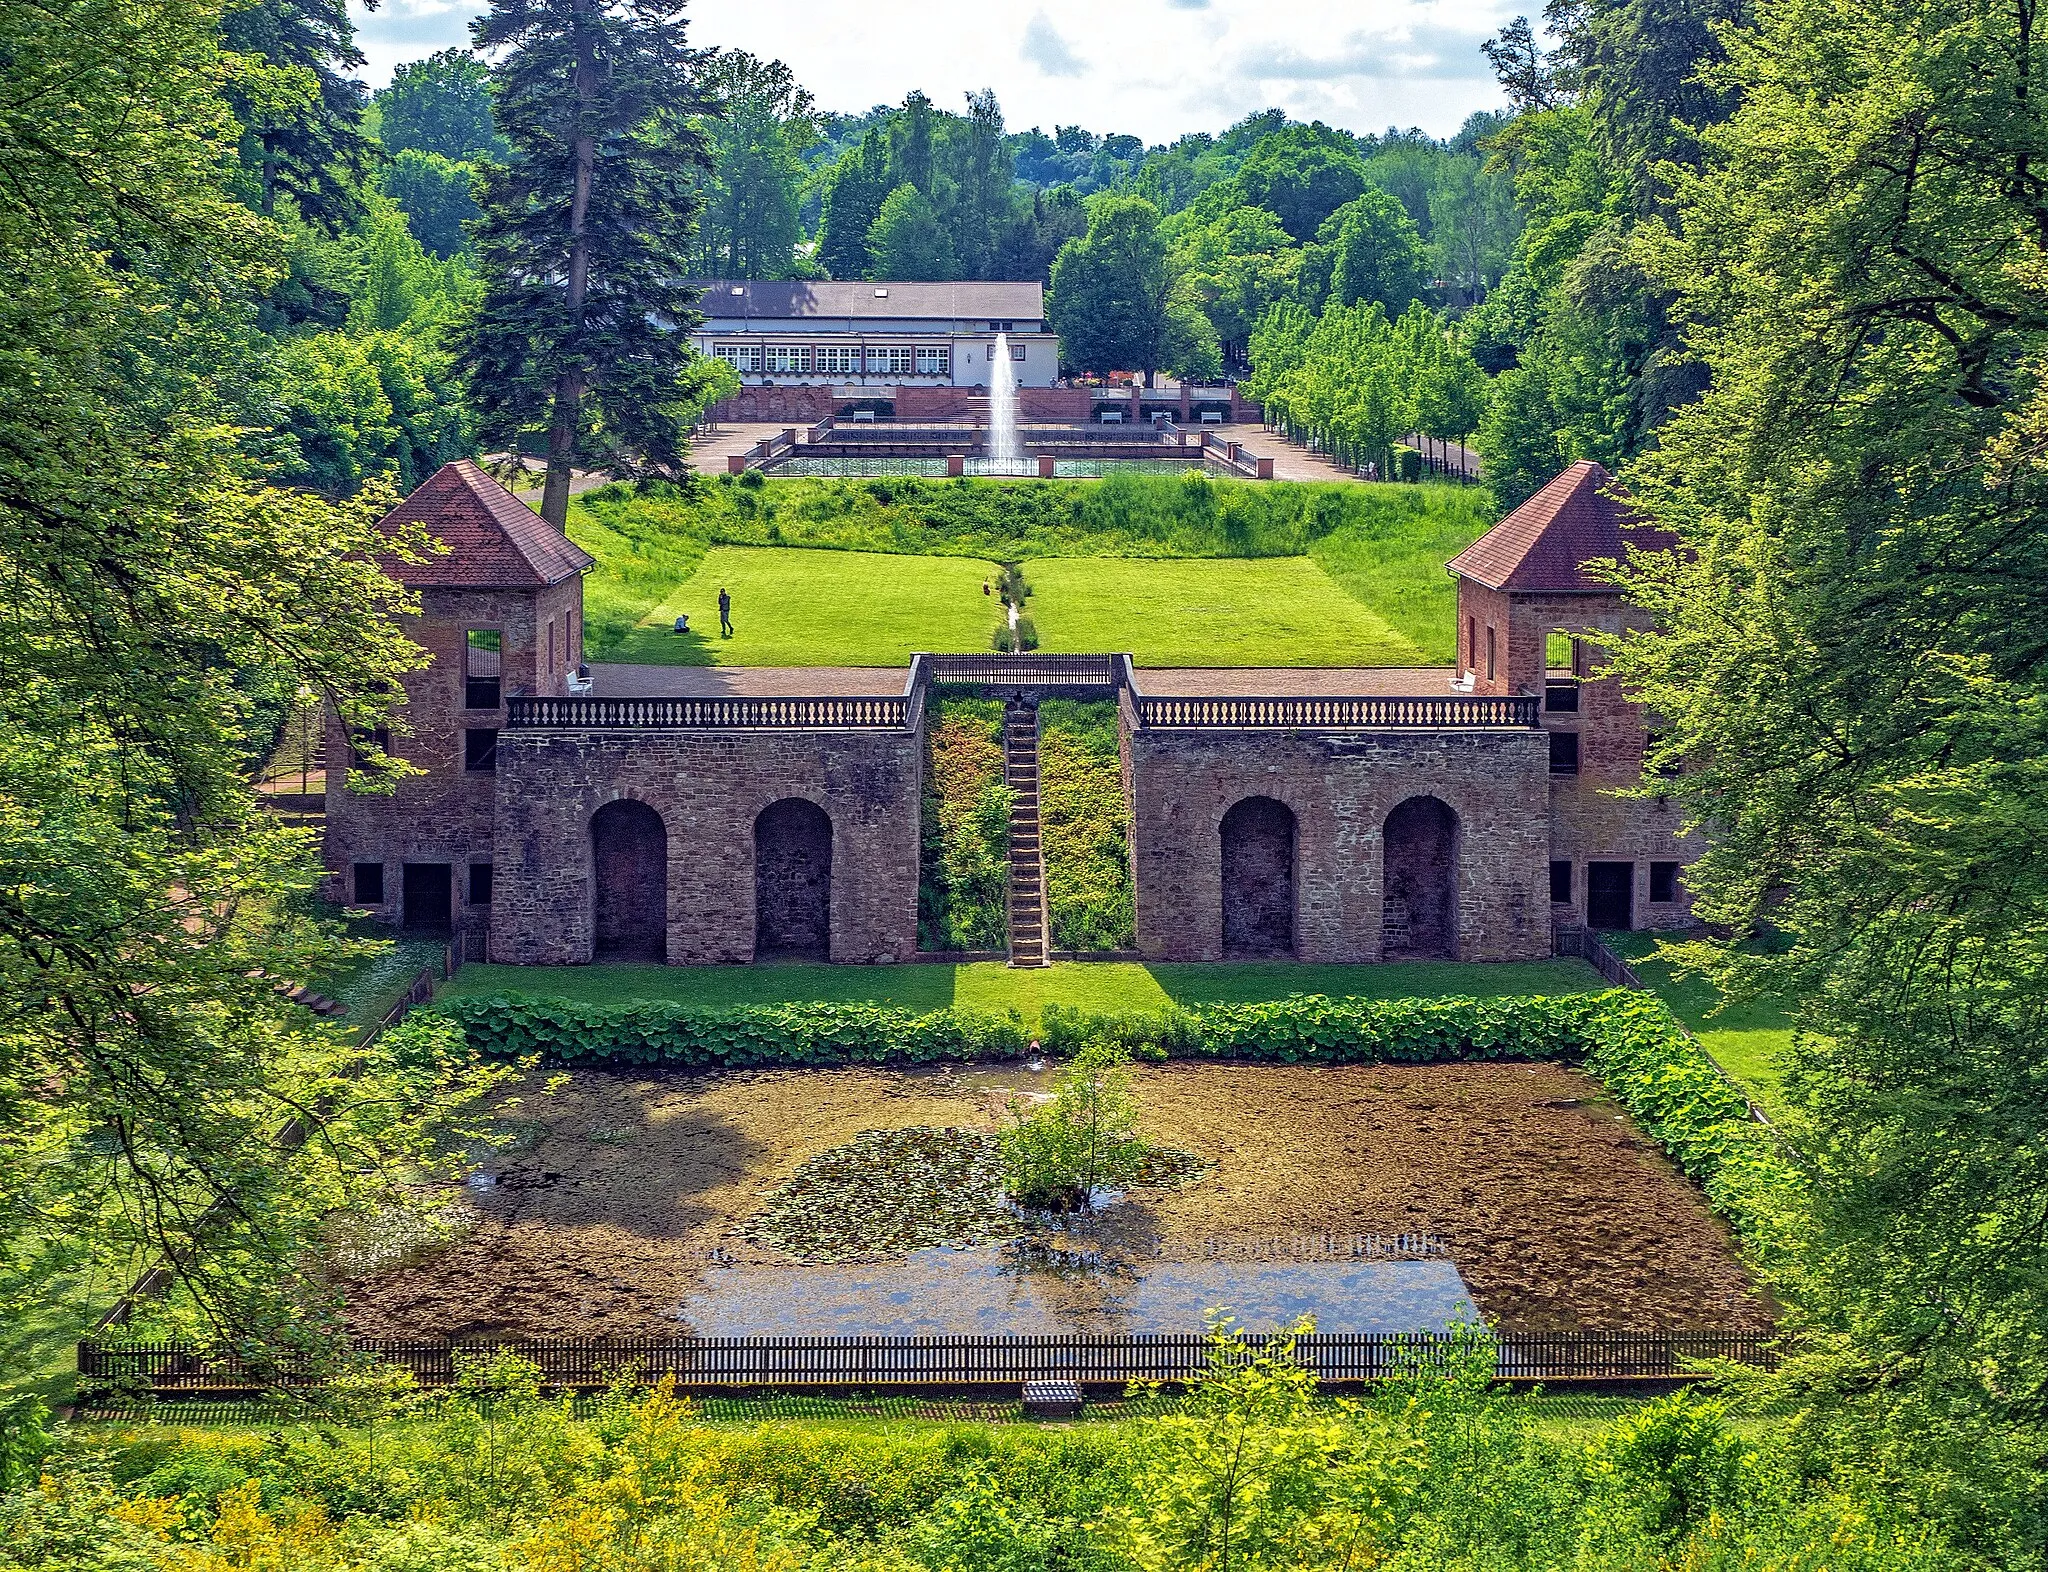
column 964, row 830
column 1085, row 821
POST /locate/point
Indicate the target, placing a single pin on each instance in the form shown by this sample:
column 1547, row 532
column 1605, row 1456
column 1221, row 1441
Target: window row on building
column 843, row 360
column 846, row 360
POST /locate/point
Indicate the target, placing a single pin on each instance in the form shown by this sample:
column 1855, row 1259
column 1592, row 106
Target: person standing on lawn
column 724, row 613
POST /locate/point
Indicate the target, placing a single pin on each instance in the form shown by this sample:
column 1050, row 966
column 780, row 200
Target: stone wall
column 709, row 788
column 1341, row 788
column 445, row 814
column 795, row 406
column 1590, row 821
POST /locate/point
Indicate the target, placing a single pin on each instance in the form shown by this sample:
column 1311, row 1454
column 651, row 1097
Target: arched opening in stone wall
column 1258, row 880
column 1421, row 910
column 629, row 895
column 793, row 882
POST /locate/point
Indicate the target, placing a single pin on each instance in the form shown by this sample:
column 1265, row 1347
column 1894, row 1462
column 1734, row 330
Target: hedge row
column 1302, row 1028
column 1630, row 1041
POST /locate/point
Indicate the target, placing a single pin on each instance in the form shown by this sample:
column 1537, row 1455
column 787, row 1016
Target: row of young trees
column 1355, row 383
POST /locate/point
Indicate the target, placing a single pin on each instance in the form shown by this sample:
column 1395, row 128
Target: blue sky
column 1154, row 68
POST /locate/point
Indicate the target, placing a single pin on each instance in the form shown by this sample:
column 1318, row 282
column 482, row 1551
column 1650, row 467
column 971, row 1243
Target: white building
column 875, row 335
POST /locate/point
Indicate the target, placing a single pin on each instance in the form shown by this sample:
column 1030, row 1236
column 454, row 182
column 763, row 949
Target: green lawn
column 1274, row 611
column 1749, row 1041
column 1106, row 986
column 818, row 608
column 832, row 572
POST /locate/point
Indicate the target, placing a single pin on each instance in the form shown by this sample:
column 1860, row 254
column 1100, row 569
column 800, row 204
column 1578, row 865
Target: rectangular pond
column 1001, row 1290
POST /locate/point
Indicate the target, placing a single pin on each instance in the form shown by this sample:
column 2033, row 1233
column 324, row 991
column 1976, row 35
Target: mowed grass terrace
column 839, row 573
column 1105, row 986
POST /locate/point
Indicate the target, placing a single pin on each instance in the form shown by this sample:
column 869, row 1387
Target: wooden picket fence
column 712, row 1363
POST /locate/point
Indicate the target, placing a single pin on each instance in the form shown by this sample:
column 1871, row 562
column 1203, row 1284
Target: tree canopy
column 583, row 326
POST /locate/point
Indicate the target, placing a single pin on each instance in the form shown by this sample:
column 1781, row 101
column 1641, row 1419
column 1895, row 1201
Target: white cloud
column 1052, row 54
column 1153, row 68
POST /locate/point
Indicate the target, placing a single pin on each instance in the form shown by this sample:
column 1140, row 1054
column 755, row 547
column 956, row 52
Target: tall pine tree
column 301, row 117
column 584, row 326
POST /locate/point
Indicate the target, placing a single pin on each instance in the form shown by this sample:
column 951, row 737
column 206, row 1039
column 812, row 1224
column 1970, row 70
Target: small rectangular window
column 480, row 749
column 837, row 359
column 1668, row 771
column 1561, row 881
column 1663, row 881
column 368, row 878
column 361, row 742
column 1489, row 655
column 1561, row 694
column 934, row 362
column 1017, row 351
column 1471, row 643
column 1564, row 753
column 479, row 884
column 551, row 646
column 483, row 657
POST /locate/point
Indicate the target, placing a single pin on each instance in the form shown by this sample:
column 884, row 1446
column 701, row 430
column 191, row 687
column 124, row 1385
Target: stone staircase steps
column 1028, row 939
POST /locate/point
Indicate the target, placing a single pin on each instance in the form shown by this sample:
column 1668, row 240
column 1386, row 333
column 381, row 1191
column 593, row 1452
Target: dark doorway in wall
column 1258, row 880
column 629, row 896
column 1610, row 895
column 429, row 897
column 1420, row 858
column 793, row 882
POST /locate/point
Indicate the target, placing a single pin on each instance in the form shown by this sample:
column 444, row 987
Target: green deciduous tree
column 1113, row 292
column 440, row 105
column 1235, row 267
column 1303, row 174
column 764, row 124
column 1378, row 253
column 438, row 198
column 583, row 328
column 854, row 193
column 907, row 240
column 1851, row 670
column 164, row 608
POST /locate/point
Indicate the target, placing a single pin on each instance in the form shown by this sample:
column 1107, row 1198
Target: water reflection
column 1070, row 1283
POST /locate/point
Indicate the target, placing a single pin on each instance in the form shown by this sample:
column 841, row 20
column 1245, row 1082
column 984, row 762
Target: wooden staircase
column 1028, row 931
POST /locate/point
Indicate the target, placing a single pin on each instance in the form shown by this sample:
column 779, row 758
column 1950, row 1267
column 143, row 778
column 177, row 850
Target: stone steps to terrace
column 1028, row 936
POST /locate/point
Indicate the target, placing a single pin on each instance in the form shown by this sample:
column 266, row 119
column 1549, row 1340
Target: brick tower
column 501, row 613
column 1526, row 602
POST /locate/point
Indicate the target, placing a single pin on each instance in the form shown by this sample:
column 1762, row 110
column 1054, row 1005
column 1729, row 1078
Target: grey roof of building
column 798, row 299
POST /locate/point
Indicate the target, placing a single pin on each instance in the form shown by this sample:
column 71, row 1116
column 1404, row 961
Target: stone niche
column 806, row 840
column 1454, row 824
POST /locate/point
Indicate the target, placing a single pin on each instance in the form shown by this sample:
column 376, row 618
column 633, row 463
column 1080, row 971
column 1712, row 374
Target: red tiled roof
column 494, row 540
column 1542, row 547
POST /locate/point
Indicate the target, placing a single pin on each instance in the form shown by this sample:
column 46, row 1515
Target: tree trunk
column 569, row 386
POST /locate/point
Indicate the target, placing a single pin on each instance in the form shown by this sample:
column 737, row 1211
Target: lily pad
column 889, row 1192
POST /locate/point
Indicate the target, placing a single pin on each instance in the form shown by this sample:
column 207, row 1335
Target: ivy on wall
column 964, row 829
column 1085, row 821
